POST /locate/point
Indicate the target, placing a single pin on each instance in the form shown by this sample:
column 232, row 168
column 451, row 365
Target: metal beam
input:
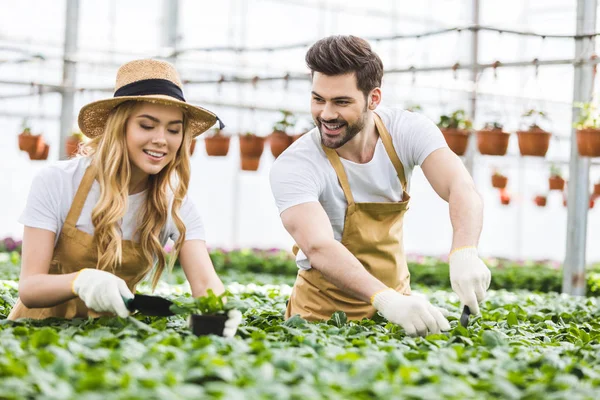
column 574, row 281
column 69, row 73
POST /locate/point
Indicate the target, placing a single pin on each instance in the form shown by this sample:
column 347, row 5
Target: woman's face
column 153, row 134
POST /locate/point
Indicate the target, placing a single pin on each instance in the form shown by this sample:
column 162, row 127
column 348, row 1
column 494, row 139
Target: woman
column 96, row 225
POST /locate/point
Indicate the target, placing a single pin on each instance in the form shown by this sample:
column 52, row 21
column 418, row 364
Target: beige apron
column 373, row 234
column 76, row 250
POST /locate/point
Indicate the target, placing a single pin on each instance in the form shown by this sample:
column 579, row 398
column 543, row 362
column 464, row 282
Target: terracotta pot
column 192, row 146
column 72, row 146
column 592, row 202
column 505, row 200
column 457, row 140
column 30, row 143
column 588, row 142
column 534, row 142
column 499, row 181
column 556, row 183
column 540, row 201
column 252, row 146
column 597, row 189
column 279, row 141
column 250, row 163
column 492, row 142
column 217, row 146
column 41, row 154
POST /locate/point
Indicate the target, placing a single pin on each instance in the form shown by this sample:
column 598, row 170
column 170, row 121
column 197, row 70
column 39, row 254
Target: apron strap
column 82, row 192
column 335, row 161
column 389, row 148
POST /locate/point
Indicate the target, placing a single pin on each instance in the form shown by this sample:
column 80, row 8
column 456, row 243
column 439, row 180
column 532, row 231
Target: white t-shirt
column 53, row 191
column 303, row 173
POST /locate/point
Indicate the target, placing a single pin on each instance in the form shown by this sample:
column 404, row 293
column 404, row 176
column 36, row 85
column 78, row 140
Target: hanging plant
column 217, row 144
column 29, row 142
column 534, row 141
column 540, row 201
column 556, row 181
column 492, row 140
column 456, row 129
column 588, row 130
column 499, row 181
column 279, row 140
column 41, row 153
column 597, row 188
column 251, row 149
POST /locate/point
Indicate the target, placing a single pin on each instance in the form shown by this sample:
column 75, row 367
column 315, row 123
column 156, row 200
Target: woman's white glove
column 414, row 314
column 102, row 291
column 469, row 277
column 232, row 323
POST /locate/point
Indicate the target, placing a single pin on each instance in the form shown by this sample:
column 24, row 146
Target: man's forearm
column 343, row 269
column 466, row 215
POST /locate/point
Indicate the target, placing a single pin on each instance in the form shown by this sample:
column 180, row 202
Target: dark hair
column 338, row 55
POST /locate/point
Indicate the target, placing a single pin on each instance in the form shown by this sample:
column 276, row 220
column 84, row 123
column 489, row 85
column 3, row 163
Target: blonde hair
column 110, row 159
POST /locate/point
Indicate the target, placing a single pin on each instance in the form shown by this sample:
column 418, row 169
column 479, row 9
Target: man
column 342, row 192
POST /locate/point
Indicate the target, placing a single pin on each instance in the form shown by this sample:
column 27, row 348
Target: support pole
column 69, row 72
column 574, row 281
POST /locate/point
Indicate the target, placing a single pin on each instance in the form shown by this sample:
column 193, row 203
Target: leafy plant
column 209, row 304
column 286, row 122
column 555, row 171
column 456, row 120
column 534, row 117
column 414, row 108
column 588, row 116
column 493, row 126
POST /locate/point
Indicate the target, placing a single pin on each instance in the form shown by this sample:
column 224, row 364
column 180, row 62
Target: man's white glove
column 470, row 278
column 232, row 323
column 102, row 291
column 414, row 314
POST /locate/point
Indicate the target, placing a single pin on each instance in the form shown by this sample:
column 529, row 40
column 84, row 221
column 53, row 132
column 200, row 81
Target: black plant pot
column 207, row 324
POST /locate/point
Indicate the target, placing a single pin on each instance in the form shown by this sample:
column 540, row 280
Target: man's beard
column 349, row 131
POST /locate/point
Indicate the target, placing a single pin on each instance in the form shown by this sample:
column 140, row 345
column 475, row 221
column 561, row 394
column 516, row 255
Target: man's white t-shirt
column 303, row 173
column 53, row 191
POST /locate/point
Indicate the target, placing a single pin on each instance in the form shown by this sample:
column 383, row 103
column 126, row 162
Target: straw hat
column 148, row 80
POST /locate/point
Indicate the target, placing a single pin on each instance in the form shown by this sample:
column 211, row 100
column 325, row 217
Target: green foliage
column 494, row 125
column 286, row 122
column 555, row 170
column 588, row 116
column 456, row 120
column 209, row 304
column 533, row 118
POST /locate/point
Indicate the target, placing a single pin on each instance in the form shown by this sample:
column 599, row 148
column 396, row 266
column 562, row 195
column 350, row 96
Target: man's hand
column 470, row 277
column 414, row 314
column 102, row 291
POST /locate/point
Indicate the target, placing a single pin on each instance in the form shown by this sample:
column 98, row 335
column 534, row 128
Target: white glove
column 232, row 323
column 469, row 277
column 413, row 313
column 102, row 291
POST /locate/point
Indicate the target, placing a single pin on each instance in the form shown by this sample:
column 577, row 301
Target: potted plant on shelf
column 556, row 181
column 72, row 144
column 492, row 140
column 534, row 141
column 588, row 130
column 279, row 139
column 209, row 314
column 251, row 148
column 455, row 128
column 499, row 181
column 540, row 200
column 217, row 144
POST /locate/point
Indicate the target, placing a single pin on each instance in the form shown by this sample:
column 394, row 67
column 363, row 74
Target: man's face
column 338, row 108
